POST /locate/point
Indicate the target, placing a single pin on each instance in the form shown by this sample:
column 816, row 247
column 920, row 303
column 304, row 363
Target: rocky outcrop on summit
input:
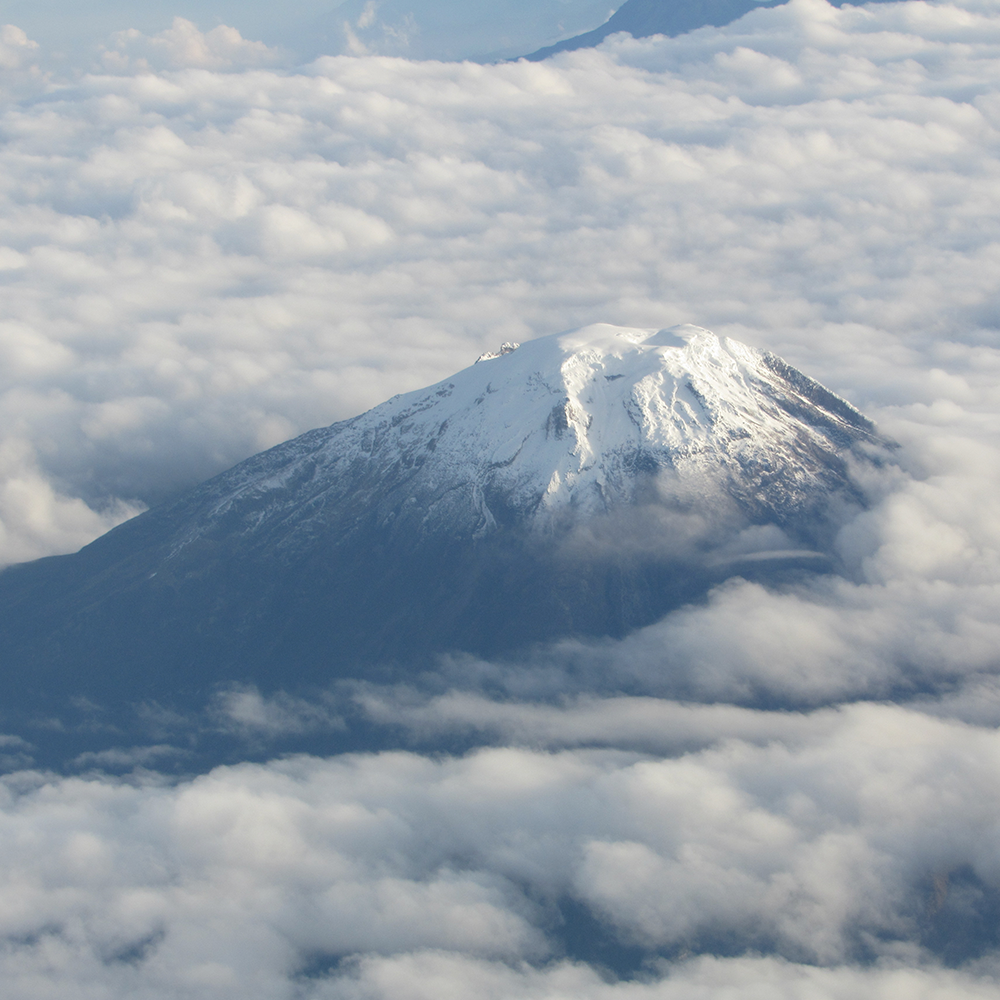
column 583, row 483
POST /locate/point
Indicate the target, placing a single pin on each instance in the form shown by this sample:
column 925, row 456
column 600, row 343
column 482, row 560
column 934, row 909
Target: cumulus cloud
column 182, row 45
column 424, row 976
column 35, row 517
column 856, row 847
column 19, row 70
column 15, row 47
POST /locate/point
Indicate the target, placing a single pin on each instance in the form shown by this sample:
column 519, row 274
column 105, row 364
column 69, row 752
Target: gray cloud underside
column 200, row 260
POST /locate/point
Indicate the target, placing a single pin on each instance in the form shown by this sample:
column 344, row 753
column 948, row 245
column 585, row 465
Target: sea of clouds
column 206, row 250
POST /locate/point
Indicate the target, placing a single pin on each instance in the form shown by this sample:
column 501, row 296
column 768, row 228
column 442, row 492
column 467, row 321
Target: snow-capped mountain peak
column 583, row 483
column 578, row 421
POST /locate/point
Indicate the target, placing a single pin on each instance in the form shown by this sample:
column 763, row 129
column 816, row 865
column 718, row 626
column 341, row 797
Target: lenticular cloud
column 204, row 254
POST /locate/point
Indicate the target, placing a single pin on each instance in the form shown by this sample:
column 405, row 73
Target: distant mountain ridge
column 448, row 29
column 643, row 18
column 580, row 484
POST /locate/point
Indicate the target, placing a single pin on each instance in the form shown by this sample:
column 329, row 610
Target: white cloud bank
column 857, row 852
column 15, row 47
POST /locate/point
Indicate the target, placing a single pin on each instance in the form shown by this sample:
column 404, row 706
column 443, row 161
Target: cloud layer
column 867, row 836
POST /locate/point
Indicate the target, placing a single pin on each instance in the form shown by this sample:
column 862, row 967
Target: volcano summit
column 581, row 484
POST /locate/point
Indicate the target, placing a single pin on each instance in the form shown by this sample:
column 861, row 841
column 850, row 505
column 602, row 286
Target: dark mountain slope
column 643, row 18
